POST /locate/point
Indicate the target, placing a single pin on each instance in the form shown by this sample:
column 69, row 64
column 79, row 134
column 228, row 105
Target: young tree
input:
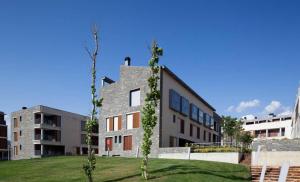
column 246, row 138
column 149, row 118
column 229, row 126
column 90, row 165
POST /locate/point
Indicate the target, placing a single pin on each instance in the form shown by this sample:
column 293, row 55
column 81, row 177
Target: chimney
column 24, row 108
column 127, row 61
column 272, row 114
column 106, row 81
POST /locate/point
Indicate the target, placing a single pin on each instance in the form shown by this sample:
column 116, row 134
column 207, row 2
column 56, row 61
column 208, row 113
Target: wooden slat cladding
column 119, row 122
column 111, row 124
column 127, row 144
column 136, row 120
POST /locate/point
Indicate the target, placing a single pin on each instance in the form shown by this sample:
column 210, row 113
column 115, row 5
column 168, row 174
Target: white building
column 270, row 127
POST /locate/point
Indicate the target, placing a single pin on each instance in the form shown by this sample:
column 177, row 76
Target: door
column 127, row 144
column 108, row 144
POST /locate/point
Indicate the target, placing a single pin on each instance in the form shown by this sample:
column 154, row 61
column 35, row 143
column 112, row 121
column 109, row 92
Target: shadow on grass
column 183, row 170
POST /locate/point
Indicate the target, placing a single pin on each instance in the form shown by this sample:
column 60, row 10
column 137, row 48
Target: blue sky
column 238, row 55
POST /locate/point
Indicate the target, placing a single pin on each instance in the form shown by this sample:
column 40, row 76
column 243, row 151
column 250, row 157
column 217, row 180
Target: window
column 15, row 136
column 20, row 118
column 204, row 118
column 204, row 135
column 116, row 123
column 15, row 123
column 20, row 147
column 200, row 116
column 198, row 132
column 174, row 100
column 191, row 130
column 127, row 143
column 282, row 131
column 120, row 139
column 209, row 137
column 174, row 118
column 184, row 106
column 135, row 97
column 109, row 124
column 129, row 121
column 82, row 124
column 20, row 132
column 182, row 126
column 194, row 112
column 116, row 139
column 133, row 120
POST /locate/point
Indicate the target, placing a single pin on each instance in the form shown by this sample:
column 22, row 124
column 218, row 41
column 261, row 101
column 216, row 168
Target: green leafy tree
column 229, row 127
column 90, row 165
column 149, row 118
column 246, row 138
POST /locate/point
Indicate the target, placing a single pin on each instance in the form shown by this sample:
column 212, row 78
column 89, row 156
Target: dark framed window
column 191, row 130
column 20, row 118
column 204, row 135
column 116, row 139
column 184, row 108
column 209, row 137
column 194, row 112
column 20, row 132
column 174, row 118
column 20, row 147
column 135, row 97
column 120, row 139
column 198, row 132
column 174, row 100
column 182, row 126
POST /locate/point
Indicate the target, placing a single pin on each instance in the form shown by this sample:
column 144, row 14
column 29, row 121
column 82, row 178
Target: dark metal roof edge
column 186, row 86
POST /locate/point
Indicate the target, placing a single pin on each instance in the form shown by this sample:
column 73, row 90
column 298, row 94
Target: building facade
column 270, row 127
column 183, row 116
column 43, row 131
column 296, row 117
column 3, row 138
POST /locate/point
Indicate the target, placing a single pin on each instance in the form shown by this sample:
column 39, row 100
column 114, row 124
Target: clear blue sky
column 243, row 54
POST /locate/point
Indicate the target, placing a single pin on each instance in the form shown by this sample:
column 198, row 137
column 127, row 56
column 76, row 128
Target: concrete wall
column 230, row 157
column 276, row 158
column 173, row 129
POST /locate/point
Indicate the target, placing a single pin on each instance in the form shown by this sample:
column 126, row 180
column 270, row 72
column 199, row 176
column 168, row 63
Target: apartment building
column 296, row 117
column 44, row 131
column 270, row 127
column 3, row 138
column 183, row 116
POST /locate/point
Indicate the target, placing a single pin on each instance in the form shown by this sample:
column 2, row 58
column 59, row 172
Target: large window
column 133, row 120
column 194, row 112
column 184, row 106
column 204, row 118
column 135, row 97
column 198, row 132
column 174, row 99
column 200, row 115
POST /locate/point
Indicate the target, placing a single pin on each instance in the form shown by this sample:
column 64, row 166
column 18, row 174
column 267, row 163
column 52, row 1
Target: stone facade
column 277, row 145
column 116, row 102
column 41, row 131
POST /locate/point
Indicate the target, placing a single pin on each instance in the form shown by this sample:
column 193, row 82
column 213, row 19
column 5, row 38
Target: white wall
column 276, row 158
column 228, row 157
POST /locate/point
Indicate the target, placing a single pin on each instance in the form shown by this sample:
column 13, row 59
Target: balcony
column 47, row 121
column 50, row 137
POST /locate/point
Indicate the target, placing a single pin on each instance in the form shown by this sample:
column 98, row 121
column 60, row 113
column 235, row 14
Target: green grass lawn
column 119, row 169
